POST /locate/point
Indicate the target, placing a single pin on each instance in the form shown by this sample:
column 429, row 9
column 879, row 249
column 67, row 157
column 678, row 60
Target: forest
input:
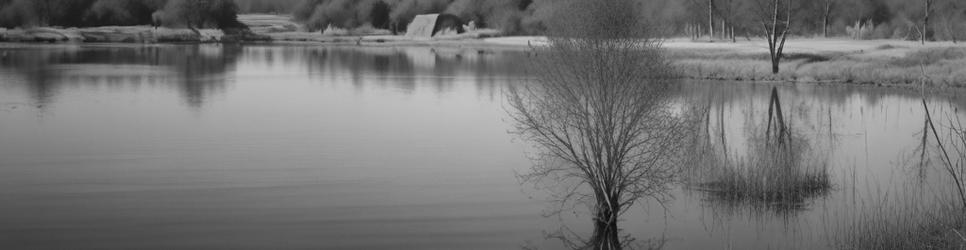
column 88, row 13
column 715, row 19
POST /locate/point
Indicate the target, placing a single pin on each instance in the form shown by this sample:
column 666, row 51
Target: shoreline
column 881, row 63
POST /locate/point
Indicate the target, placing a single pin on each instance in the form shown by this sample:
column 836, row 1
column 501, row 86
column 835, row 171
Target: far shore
column 822, row 60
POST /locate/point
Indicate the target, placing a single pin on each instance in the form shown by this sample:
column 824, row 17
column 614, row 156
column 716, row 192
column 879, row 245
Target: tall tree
column 952, row 19
column 829, row 4
column 711, row 20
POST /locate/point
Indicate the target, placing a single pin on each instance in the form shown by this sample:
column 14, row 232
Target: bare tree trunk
column 700, row 31
column 733, row 40
column 828, row 13
column 606, row 234
column 777, row 34
column 710, row 19
column 689, row 30
column 45, row 16
column 925, row 22
column 695, row 31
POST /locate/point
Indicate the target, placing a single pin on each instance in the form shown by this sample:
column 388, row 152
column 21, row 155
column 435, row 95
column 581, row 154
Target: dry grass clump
column 772, row 176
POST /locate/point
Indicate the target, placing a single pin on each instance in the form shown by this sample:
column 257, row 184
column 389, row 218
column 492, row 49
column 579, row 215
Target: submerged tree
column 601, row 112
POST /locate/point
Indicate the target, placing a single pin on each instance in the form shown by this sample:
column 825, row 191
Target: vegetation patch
column 777, row 171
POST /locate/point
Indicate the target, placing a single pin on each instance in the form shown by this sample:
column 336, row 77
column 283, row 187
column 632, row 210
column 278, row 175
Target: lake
column 296, row 146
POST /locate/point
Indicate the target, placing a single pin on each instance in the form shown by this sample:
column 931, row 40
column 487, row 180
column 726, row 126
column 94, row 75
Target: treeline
column 700, row 19
column 511, row 16
column 723, row 19
column 267, row 6
column 859, row 19
column 86, row 13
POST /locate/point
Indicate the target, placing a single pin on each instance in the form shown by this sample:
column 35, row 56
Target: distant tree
column 710, row 19
column 379, row 15
column 188, row 12
column 194, row 14
column 320, row 14
column 157, row 19
column 118, row 12
column 926, row 30
column 952, row 18
column 827, row 16
column 728, row 11
column 500, row 14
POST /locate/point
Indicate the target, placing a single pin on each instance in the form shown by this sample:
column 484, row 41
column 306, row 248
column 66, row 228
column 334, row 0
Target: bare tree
column 601, row 112
column 727, row 12
column 711, row 20
column 952, row 18
column 775, row 24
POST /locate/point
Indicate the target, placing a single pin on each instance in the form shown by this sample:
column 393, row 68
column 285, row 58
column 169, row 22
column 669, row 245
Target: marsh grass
column 929, row 56
column 925, row 215
column 946, row 65
column 899, row 219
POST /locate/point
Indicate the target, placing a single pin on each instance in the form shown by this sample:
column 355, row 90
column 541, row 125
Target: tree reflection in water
column 777, row 172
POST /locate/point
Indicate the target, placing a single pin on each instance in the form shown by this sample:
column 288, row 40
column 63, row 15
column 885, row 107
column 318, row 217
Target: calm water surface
column 202, row 146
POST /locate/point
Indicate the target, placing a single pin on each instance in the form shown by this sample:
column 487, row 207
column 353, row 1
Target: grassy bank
column 881, row 62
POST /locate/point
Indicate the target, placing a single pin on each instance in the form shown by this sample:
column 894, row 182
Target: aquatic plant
column 933, row 214
column 777, row 170
column 900, row 220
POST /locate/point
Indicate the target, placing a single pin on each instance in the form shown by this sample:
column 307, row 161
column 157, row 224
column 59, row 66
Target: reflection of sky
column 293, row 150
